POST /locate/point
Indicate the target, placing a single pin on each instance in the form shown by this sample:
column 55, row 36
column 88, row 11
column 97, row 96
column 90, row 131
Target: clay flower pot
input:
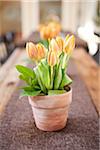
column 51, row 112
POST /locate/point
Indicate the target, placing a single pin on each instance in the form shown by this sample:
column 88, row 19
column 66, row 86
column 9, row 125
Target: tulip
column 49, row 30
column 31, row 50
column 52, row 61
column 45, row 32
column 60, row 42
column 41, row 51
column 69, row 45
column 35, row 52
column 55, row 26
column 53, row 32
column 52, row 58
column 54, row 46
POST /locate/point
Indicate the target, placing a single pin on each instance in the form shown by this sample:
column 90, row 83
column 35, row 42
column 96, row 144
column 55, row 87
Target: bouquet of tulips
column 48, row 77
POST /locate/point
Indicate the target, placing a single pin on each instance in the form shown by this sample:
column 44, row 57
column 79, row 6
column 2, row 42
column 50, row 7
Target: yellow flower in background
column 35, row 52
column 69, row 44
column 55, row 28
column 45, row 32
column 52, row 58
column 31, row 50
column 49, row 30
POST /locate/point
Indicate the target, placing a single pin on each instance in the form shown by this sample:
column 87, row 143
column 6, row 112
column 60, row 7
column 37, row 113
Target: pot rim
column 48, row 96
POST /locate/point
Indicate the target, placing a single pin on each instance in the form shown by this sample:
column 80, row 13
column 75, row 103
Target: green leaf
column 26, row 71
column 43, row 70
column 58, row 77
column 65, row 81
column 22, row 77
column 28, row 88
column 25, row 78
column 56, row 92
column 30, row 93
column 37, row 87
column 39, row 80
column 34, row 82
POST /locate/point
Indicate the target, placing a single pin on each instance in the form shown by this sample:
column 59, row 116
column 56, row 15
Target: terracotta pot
column 51, row 112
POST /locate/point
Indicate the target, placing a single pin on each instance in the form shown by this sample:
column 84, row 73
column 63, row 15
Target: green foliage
column 41, row 84
column 43, row 69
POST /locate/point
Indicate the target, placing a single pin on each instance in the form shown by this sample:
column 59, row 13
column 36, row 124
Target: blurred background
column 20, row 19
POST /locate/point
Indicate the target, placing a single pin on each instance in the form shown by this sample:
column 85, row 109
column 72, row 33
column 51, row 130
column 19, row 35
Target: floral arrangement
column 49, row 30
column 48, row 77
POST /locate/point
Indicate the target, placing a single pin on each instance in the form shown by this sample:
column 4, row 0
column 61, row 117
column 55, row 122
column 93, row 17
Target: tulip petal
column 54, row 46
column 52, row 58
column 41, row 51
column 69, row 45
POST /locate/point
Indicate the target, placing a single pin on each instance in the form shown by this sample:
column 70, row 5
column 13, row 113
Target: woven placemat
column 18, row 131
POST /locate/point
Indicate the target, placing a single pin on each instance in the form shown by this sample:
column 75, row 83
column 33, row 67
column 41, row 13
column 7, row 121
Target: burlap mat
column 18, row 131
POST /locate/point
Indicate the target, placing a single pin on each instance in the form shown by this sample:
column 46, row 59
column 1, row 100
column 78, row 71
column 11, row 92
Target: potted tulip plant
column 47, row 84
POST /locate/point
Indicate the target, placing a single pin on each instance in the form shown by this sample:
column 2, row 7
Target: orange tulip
column 60, row 42
column 45, row 32
column 31, row 50
column 52, row 58
column 41, row 51
column 53, row 45
column 35, row 52
column 69, row 45
column 56, row 47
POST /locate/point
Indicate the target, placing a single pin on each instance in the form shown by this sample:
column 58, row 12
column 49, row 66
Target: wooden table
column 87, row 67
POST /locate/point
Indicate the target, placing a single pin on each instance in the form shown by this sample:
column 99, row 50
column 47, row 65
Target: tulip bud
column 41, row 51
column 69, row 45
column 55, row 47
column 31, row 50
column 52, row 58
column 60, row 43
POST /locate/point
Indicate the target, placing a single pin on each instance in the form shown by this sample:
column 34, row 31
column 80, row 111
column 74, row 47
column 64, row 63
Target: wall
column 10, row 16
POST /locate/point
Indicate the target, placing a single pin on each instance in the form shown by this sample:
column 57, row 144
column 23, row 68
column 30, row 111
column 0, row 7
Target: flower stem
column 51, row 77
